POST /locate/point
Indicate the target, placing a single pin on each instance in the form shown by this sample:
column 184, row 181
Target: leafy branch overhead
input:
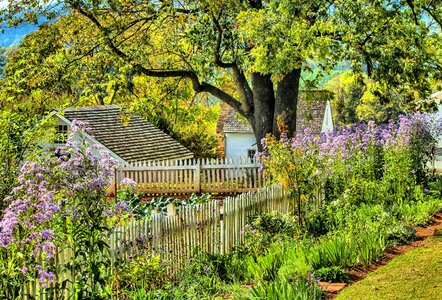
column 262, row 48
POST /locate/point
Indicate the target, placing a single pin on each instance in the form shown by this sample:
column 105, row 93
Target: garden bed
column 414, row 275
column 359, row 273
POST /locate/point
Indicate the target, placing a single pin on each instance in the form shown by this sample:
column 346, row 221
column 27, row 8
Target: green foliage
column 21, row 137
column 400, row 234
column 3, row 61
column 417, row 213
column 266, row 267
column 359, row 98
column 142, row 272
column 264, row 230
column 43, row 73
column 332, row 274
column 161, row 203
column 435, row 186
column 274, row 224
column 299, row 290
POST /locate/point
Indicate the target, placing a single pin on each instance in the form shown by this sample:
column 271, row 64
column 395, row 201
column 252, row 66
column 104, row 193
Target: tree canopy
column 261, row 48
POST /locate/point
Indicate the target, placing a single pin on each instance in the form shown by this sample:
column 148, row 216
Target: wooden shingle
column 133, row 140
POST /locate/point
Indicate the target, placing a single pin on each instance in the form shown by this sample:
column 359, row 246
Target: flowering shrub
column 360, row 163
column 59, row 203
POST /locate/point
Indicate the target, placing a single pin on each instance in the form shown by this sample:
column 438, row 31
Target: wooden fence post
column 113, row 185
column 198, row 177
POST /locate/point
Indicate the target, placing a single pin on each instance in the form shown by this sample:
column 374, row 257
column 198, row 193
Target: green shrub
column 332, row 274
column 278, row 290
column 265, row 267
column 142, row 272
column 333, row 251
column 435, row 186
column 400, row 234
column 264, row 230
column 417, row 213
column 275, row 223
column 230, row 268
column 369, row 245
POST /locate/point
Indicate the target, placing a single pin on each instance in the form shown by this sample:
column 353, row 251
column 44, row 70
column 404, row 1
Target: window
column 62, row 132
column 251, row 153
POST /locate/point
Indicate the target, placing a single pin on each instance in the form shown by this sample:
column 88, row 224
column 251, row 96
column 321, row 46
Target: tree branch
column 245, row 92
column 219, row 39
column 437, row 19
column 220, row 94
column 196, row 85
column 83, row 55
column 411, row 5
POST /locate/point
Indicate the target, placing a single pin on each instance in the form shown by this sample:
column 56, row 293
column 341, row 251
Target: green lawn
column 415, row 275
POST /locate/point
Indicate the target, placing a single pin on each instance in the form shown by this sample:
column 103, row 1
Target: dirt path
column 359, row 273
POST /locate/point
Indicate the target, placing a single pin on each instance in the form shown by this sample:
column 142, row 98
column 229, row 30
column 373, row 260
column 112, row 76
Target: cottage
column 130, row 141
column 238, row 137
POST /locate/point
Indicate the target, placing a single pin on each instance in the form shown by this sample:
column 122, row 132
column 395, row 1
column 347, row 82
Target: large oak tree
column 263, row 47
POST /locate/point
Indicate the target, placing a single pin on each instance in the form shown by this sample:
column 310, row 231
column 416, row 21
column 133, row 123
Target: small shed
column 128, row 138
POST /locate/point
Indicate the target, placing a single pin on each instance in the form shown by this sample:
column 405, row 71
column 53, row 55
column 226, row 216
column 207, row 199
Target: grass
column 414, row 275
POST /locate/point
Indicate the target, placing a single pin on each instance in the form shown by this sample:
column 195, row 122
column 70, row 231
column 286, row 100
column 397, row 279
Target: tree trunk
column 286, row 102
column 268, row 104
column 261, row 118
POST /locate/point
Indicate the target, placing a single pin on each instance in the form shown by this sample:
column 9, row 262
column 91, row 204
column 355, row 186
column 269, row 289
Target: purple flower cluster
column 355, row 143
column 32, row 204
column 45, row 278
column 46, row 191
column 129, row 184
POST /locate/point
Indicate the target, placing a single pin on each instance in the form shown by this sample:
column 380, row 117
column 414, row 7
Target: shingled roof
column 310, row 114
column 135, row 140
column 235, row 124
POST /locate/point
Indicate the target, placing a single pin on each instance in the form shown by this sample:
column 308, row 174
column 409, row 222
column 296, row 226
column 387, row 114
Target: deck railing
column 192, row 176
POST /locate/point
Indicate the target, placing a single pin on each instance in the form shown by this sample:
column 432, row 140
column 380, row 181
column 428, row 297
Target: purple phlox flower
column 32, row 236
column 78, row 125
column 46, row 234
column 46, row 247
column 45, row 278
column 128, row 183
column 7, row 226
column 206, row 268
column 24, row 270
column 121, row 206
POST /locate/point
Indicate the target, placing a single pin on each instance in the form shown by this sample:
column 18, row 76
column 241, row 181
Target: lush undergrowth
column 287, row 263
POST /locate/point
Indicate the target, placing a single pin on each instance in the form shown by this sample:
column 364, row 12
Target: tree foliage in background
column 3, row 61
column 261, row 47
column 43, row 73
column 358, row 98
column 20, row 136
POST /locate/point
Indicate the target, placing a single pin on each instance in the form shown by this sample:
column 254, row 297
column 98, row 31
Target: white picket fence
column 192, row 176
column 215, row 227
